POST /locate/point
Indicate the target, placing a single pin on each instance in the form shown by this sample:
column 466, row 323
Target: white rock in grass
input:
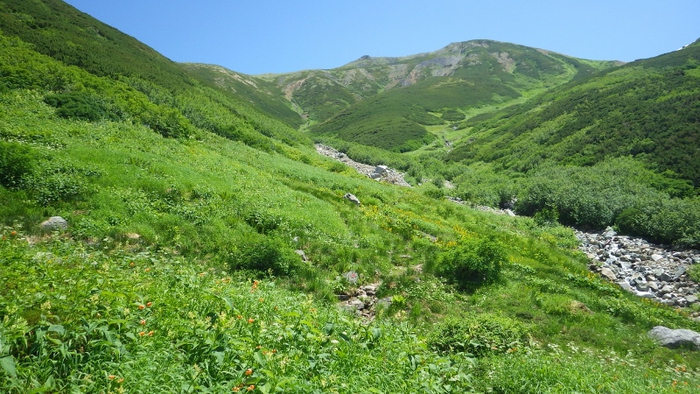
column 54, row 223
column 352, row 198
column 675, row 338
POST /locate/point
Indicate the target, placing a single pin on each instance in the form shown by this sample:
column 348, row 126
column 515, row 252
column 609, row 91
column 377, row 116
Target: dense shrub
column 15, row 163
column 452, row 115
column 79, row 105
column 264, row 254
column 631, row 221
column 479, row 335
column 471, row 262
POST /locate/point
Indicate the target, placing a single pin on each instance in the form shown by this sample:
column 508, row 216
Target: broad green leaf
column 8, row 364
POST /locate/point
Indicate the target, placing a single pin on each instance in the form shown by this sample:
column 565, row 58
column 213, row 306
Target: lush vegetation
column 188, row 210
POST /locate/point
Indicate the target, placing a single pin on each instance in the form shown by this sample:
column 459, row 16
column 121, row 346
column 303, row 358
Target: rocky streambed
column 645, row 269
column 379, row 173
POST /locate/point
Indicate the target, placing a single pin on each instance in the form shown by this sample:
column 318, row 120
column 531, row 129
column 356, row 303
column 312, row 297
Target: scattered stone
column 370, row 290
column 674, row 339
column 54, row 223
column 302, row 255
column 352, row 198
column 379, row 171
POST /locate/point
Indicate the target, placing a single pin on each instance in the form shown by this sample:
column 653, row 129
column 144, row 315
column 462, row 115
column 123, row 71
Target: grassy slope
column 263, row 95
column 212, row 213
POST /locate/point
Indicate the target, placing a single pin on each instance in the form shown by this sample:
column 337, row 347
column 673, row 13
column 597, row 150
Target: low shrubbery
column 479, row 335
column 79, row 105
column 16, row 162
column 471, row 262
column 263, row 254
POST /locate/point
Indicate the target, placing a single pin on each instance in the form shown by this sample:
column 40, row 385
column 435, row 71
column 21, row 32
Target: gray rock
column 301, row 254
column 674, row 339
column 608, row 273
column 666, row 289
column 609, row 233
column 357, row 304
column 370, row 290
column 691, row 298
column 384, row 302
column 352, row 198
column 54, row 223
column 656, row 257
column 625, row 286
column 666, row 277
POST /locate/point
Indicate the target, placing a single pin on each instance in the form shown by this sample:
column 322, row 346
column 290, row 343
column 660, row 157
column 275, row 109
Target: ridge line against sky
column 257, row 37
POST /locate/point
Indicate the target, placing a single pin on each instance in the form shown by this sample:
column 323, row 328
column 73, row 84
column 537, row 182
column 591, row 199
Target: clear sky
column 265, row 36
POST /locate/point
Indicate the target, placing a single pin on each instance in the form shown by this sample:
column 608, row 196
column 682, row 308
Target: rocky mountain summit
column 645, row 269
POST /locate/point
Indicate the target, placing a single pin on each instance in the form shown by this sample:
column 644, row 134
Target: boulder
column 54, row 223
column 352, row 198
column 608, row 273
column 378, row 172
column 674, row 339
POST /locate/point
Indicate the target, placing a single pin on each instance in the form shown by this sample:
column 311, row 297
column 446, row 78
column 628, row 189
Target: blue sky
column 265, row 36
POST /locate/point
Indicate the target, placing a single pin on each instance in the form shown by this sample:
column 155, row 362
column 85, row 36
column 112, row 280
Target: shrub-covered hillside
column 416, row 91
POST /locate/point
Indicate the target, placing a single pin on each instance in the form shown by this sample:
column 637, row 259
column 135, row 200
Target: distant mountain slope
column 262, row 94
column 75, row 38
column 58, row 30
column 392, row 99
column 649, row 109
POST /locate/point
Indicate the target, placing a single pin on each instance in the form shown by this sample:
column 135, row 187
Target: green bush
column 16, row 162
column 547, row 217
column 79, row 105
column 479, row 335
column 472, row 262
column 453, row 115
column 264, row 254
column 631, row 221
column 694, row 273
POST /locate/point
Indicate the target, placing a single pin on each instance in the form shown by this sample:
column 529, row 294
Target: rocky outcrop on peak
column 640, row 267
column 379, row 173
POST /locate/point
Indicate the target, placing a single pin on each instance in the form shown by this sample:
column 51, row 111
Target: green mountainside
column 387, row 102
column 649, row 109
column 56, row 29
column 207, row 243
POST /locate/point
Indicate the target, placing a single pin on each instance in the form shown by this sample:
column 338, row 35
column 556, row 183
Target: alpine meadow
column 172, row 227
